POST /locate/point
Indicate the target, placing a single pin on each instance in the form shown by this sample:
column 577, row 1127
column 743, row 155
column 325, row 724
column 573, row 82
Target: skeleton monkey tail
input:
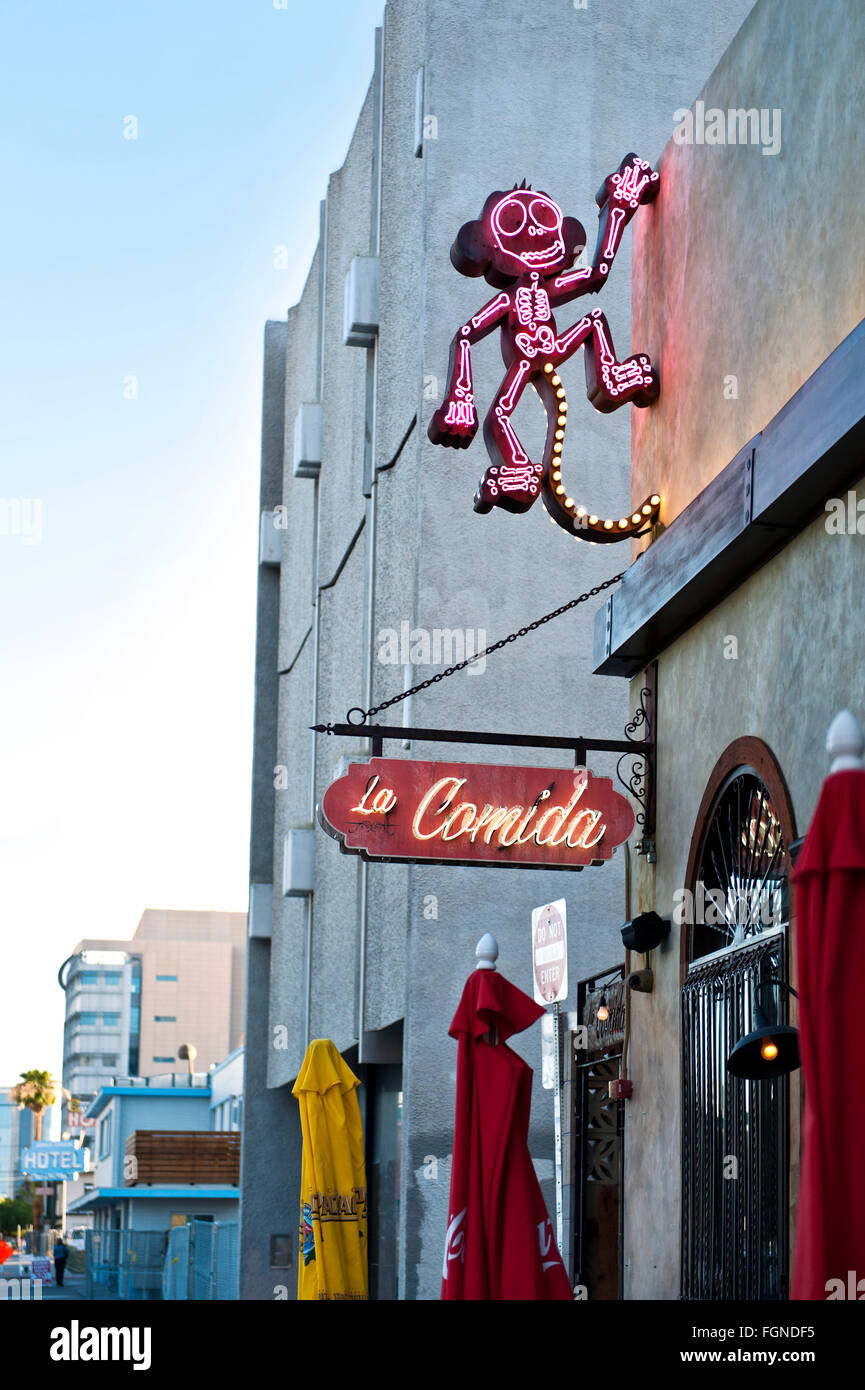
column 563, row 509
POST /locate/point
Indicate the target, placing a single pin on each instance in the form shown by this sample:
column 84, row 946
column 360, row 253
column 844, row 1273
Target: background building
column 756, row 447
column 366, row 528
column 130, row 1004
column 16, row 1133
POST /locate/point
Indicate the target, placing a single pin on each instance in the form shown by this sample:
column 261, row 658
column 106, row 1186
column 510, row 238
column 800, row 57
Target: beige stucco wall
column 748, row 266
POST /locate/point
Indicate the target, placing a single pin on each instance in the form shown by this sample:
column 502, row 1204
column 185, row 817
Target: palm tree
column 35, row 1092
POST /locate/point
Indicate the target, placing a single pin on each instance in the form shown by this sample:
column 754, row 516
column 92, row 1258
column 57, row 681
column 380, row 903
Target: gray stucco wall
column 739, row 274
column 488, row 75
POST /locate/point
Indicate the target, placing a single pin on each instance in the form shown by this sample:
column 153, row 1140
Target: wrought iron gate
column 598, row 1131
column 734, row 1135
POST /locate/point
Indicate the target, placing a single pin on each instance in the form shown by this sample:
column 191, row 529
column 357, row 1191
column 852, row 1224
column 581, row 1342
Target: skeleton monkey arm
column 455, row 422
column 619, row 196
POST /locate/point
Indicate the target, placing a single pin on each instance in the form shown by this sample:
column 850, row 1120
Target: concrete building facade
column 130, row 1004
column 368, row 533
column 755, row 305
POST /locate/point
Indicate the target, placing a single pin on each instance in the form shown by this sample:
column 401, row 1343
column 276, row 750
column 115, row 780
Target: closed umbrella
column 499, row 1242
column 332, row 1262
column 830, row 923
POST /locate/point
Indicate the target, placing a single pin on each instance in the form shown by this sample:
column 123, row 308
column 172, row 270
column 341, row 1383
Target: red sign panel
column 462, row 813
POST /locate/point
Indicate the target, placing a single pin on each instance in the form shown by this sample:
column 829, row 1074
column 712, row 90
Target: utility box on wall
column 270, row 539
column 307, row 441
column 298, row 862
column 361, row 302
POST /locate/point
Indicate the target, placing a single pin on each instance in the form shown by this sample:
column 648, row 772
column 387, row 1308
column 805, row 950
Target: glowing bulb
column 655, row 499
column 635, row 518
column 557, row 447
column 560, row 490
column 603, row 1013
column 769, row 1050
column 608, row 526
column 647, row 510
column 548, row 366
column 556, row 380
column 561, row 393
column 569, row 502
column 623, row 521
column 560, row 434
column 593, row 521
column 556, row 476
column 581, row 511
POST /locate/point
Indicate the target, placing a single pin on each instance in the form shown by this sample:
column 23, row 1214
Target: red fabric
column 5, row 1252
column 830, row 925
column 500, row 1242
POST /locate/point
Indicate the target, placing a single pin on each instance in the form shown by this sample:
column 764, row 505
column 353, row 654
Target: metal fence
column 175, row 1271
column 124, row 1264
column 202, row 1262
column 196, row 1261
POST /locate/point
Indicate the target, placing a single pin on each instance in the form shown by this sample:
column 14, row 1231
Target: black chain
column 488, row 651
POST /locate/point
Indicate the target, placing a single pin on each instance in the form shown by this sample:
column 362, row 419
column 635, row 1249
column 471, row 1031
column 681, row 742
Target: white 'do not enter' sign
column 550, row 952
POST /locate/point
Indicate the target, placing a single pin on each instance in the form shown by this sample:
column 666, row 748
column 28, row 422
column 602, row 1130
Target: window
column 89, row 1020
column 111, row 1020
column 167, row 977
column 164, row 1018
column 109, row 1060
column 135, row 985
column 135, row 1018
column 90, row 977
column 163, row 1059
column 105, row 1136
column 113, row 977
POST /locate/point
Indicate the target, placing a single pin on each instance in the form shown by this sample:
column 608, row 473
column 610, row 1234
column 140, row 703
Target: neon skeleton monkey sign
column 523, row 245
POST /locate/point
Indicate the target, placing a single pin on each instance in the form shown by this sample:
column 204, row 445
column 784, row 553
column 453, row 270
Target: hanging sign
column 550, row 952
column 525, row 247
column 473, row 814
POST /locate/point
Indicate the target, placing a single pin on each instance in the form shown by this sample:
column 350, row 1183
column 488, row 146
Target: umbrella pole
column 486, row 954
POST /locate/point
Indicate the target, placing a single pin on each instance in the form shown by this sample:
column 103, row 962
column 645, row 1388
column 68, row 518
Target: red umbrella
column 830, row 921
column 500, row 1242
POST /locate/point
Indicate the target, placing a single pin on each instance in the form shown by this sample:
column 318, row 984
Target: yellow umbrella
column 332, row 1262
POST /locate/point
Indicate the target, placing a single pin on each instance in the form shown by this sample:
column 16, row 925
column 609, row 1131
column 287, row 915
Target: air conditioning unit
column 361, row 302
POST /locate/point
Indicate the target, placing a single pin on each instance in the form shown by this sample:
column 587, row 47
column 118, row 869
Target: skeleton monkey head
column 517, row 232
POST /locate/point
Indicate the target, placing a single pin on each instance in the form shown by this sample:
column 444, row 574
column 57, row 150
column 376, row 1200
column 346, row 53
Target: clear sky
column 138, row 274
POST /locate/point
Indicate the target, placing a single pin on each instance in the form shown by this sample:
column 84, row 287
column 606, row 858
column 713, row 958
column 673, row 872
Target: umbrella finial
column 487, row 952
column 846, row 742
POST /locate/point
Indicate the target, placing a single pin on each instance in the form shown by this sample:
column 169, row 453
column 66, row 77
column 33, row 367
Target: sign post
column 550, row 977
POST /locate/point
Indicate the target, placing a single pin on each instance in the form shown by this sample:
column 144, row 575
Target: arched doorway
column 735, row 1133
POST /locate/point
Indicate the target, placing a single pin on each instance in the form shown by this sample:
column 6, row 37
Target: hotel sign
column 476, row 814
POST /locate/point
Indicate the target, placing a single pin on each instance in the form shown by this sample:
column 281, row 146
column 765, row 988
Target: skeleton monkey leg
column 513, row 482
column 610, row 383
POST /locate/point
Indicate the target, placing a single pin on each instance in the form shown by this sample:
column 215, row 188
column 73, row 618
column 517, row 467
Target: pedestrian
column 61, row 1253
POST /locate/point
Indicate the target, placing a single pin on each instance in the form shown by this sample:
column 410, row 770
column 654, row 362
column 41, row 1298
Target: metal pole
column 557, row 1112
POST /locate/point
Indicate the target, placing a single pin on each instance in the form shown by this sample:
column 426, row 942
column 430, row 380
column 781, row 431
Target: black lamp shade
column 645, row 932
column 747, row 1060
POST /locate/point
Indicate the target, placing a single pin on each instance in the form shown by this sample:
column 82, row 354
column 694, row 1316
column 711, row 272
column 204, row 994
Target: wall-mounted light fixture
column 645, row 932
column 770, row 1049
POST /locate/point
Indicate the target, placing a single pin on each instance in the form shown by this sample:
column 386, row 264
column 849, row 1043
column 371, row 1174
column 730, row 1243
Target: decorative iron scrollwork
column 639, row 778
